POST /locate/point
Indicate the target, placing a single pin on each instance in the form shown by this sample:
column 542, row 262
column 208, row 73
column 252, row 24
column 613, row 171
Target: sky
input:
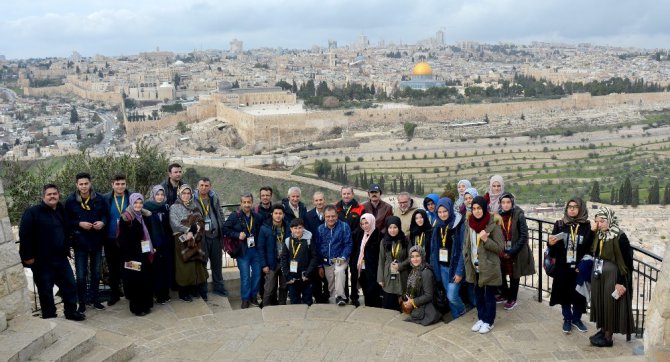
column 47, row 28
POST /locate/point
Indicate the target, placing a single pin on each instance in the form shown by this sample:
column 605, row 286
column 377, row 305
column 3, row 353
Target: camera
column 596, row 274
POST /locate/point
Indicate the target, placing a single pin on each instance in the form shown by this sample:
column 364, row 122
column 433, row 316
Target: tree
column 635, row 197
column 595, row 192
column 409, row 130
column 613, row 196
column 182, row 127
column 74, row 116
column 627, row 198
column 283, row 84
column 323, row 168
column 666, row 195
column 654, row 193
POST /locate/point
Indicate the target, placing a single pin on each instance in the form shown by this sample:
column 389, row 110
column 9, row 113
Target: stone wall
column 76, row 89
column 199, row 112
column 13, row 287
column 657, row 324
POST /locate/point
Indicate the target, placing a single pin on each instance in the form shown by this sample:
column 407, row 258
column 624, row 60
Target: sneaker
column 580, row 326
column 98, row 306
column 112, row 301
column 477, row 326
column 76, row 316
column 222, row 292
column 355, row 303
column 254, row 301
column 510, row 305
column 500, row 299
column 82, row 308
column 186, row 298
column 340, row 301
column 486, row 328
column 567, row 327
column 245, row 304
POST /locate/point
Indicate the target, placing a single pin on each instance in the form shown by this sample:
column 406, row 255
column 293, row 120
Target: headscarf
column 494, row 203
column 473, row 192
column 613, row 231
column 506, row 195
column 414, row 282
column 431, row 215
column 582, row 216
column 133, row 214
column 131, row 202
column 460, row 199
column 479, row 224
column 180, row 190
column 414, row 228
column 388, row 239
column 155, row 190
column 366, row 236
column 449, row 205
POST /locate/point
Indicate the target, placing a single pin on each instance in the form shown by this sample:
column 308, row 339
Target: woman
column 188, row 228
column 393, row 264
column 483, row 242
column 421, row 230
column 161, row 238
column 461, row 187
column 496, row 189
column 429, row 205
column 570, row 243
column 137, row 254
column 418, row 298
column 469, row 195
column 517, row 259
column 368, row 261
column 611, row 281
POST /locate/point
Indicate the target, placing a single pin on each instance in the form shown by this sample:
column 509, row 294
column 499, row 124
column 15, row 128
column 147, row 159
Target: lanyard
column 123, row 201
column 508, row 229
column 432, row 223
column 395, row 251
column 295, row 251
column 574, row 230
column 249, row 225
column 84, row 203
column 444, row 232
column 600, row 253
column 479, row 239
column 346, row 214
column 205, row 208
column 419, row 240
column 280, row 236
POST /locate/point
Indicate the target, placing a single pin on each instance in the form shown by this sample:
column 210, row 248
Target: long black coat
column 563, row 286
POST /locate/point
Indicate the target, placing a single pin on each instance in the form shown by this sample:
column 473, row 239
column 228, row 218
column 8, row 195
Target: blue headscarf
column 449, row 205
column 432, row 216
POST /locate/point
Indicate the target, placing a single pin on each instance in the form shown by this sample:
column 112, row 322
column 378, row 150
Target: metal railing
column 646, row 266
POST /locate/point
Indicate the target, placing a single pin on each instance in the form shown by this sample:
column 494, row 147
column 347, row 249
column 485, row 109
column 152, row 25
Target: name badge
column 444, row 255
column 208, row 225
column 251, row 242
column 571, row 258
column 133, row 265
column 508, row 244
column 293, row 267
column 146, row 246
column 394, row 276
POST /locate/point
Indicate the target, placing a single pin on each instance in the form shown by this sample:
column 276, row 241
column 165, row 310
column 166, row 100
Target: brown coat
column 487, row 254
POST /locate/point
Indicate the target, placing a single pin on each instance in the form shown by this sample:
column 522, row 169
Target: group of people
column 463, row 247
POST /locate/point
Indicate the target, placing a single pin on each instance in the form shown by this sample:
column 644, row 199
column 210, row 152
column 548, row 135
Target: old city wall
column 195, row 113
column 106, row 97
column 13, row 291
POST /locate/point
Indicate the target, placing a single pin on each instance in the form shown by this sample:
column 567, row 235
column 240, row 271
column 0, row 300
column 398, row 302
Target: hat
column 375, row 188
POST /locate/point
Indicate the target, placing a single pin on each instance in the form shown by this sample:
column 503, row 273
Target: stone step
column 74, row 340
column 25, row 336
column 3, row 321
column 109, row 347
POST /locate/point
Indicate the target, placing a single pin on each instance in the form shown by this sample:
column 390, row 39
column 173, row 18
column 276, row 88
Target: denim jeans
column 81, row 262
column 249, row 265
column 453, row 289
column 486, row 303
column 300, row 292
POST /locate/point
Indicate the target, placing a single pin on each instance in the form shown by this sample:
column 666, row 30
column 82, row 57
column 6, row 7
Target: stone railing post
column 657, row 325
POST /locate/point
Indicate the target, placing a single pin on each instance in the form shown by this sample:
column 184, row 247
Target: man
column 379, row 208
column 172, row 183
column 293, row 207
column 87, row 213
column 264, row 207
column 243, row 225
column 299, row 259
column 349, row 211
column 334, row 246
column 270, row 241
column 116, row 202
column 210, row 206
column 44, row 248
column 405, row 210
column 313, row 219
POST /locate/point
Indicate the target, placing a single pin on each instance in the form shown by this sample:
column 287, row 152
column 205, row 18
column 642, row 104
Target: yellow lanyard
column 600, row 253
column 574, row 229
column 346, row 214
column 205, row 208
column 280, row 237
column 84, row 204
column 395, row 251
column 432, row 223
column 123, row 201
column 249, row 225
column 479, row 239
column 419, row 240
column 444, row 232
column 295, row 251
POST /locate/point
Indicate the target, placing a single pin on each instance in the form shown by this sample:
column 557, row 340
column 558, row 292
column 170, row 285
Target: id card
column 146, row 246
column 394, row 269
column 133, row 265
column 293, row 266
column 208, row 225
column 598, row 266
column 444, row 255
column 394, row 276
column 571, row 257
column 251, row 243
column 508, row 244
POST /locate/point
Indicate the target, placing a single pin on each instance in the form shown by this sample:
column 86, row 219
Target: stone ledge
column 284, row 312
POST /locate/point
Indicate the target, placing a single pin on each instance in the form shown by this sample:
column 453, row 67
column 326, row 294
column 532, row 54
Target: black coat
column 130, row 239
column 565, row 280
column 312, row 221
column 288, row 212
column 236, row 223
column 44, row 233
column 99, row 211
column 307, row 257
column 371, row 251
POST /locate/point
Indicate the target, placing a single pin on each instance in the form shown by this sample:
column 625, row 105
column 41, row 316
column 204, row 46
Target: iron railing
column 646, row 266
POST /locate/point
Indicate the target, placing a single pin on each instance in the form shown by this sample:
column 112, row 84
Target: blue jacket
column 88, row 240
column 454, row 237
column 236, row 223
column 432, row 216
column 334, row 243
column 267, row 244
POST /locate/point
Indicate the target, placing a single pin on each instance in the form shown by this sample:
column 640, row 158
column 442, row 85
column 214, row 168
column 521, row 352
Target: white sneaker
column 478, row 325
column 486, row 328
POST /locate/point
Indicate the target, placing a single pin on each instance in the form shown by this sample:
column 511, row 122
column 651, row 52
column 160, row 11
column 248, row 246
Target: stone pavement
column 200, row 331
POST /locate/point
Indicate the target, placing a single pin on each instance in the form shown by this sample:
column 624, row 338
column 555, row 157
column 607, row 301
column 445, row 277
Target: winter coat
column 217, row 220
column 131, row 235
column 454, row 244
column 425, row 312
column 182, row 220
column 44, row 234
column 398, row 285
column 565, row 279
column 522, row 256
column 405, row 217
column 334, row 243
column 237, row 223
column 307, row 256
column 487, row 254
column 381, row 213
column 431, row 215
column 312, row 221
column 288, row 211
column 88, row 240
column 270, row 242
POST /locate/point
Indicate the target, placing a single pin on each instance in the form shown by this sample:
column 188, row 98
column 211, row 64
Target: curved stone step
column 109, row 347
column 73, row 341
column 25, row 336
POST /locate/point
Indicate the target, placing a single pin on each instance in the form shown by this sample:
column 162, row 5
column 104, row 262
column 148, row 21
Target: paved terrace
column 216, row 331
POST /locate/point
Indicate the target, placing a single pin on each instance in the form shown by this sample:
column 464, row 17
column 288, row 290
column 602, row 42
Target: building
column 422, row 78
column 255, row 96
column 236, row 46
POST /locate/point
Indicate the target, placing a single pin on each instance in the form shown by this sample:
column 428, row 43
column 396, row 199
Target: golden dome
column 422, row 68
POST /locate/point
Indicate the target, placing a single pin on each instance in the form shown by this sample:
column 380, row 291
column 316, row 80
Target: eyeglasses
column 573, row 207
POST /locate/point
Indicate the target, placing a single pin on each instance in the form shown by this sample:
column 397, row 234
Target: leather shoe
column 112, row 301
column 602, row 342
column 76, row 316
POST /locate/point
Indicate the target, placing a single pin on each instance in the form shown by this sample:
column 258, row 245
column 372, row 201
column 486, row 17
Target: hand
column 85, row 225
column 266, row 269
column 620, row 288
column 552, row 240
column 29, row 261
column 305, row 279
column 483, row 235
column 98, row 225
column 290, row 281
column 189, row 235
column 243, row 235
column 322, row 273
column 457, row 279
column 381, row 284
column 593, row 225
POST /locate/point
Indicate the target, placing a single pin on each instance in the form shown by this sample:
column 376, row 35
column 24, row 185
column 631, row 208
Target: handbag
column 549, row 263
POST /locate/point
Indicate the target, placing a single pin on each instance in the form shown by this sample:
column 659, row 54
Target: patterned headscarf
column 582, row 216
column 180, row 190
column 414, row 279
column 613, row 231
column 494, row 203
column 459, row 200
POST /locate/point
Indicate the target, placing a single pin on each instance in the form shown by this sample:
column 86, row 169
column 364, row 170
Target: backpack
column 232, row 246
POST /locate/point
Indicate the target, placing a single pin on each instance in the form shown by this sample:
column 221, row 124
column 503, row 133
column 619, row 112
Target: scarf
column 461, row 196
column 388, row 239
column 479, row 224
column 473, row 192
column 494, row 202
column 414, row 282
column 613, row 231
column 366, row 236
column 131, row 214
column 188, row 203
column 416, row 230
column 506, row 195
column 582, row 216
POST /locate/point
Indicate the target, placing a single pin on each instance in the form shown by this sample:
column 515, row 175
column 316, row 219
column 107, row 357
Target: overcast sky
column 41, row 28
